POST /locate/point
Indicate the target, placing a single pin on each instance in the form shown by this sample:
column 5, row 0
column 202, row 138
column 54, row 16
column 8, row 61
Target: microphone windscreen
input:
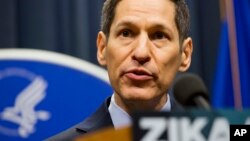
column 187, row 86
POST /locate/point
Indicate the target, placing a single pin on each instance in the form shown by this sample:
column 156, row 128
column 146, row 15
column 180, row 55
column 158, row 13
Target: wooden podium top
column 108, row 134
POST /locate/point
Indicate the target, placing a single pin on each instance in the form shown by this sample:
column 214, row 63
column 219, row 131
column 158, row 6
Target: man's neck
column 117, row 113
column 130, row 106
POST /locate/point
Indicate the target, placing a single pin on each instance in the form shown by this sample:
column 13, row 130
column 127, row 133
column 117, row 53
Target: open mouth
column 139, row 75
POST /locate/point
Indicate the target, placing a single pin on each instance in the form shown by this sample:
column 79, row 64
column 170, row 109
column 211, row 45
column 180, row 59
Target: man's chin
column 138, row 95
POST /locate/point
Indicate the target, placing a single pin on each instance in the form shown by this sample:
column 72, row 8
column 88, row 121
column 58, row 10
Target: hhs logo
column 21, row 111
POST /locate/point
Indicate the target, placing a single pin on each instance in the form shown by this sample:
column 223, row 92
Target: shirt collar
column 120, row 118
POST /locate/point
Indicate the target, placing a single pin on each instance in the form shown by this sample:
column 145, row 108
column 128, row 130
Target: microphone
column 189, row 90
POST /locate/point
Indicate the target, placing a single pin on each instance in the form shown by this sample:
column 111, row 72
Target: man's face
column 142, row 52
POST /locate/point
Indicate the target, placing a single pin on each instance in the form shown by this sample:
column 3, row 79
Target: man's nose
column 142, row 50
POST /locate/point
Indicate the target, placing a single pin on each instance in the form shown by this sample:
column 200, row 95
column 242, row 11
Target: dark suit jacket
column 100, row 119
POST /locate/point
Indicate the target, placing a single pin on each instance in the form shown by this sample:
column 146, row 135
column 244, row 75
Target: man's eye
column 126, row 33
column 159, row 35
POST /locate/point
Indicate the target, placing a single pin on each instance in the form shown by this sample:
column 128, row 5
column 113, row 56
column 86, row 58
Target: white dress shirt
column 120, row 118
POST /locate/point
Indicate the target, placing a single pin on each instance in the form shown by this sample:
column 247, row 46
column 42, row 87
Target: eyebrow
column 161, row 26
column 154, row 26
column 126, row 23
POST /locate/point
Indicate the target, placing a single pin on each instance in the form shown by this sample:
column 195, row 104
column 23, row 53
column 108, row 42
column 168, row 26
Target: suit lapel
column 100, row 119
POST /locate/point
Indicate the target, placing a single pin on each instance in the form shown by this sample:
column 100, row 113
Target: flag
column 231, row 87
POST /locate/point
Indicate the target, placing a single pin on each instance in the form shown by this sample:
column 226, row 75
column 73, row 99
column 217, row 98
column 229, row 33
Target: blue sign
column 190, row 125
column 43, row 93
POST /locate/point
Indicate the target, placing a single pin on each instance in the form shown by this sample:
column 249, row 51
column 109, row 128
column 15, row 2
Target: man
column 143, row 44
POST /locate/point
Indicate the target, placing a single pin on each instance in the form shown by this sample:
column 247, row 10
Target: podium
column 108, row 134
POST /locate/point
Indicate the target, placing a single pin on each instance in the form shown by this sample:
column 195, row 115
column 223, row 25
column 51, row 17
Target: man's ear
column 101, row 48
column 186, row 54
